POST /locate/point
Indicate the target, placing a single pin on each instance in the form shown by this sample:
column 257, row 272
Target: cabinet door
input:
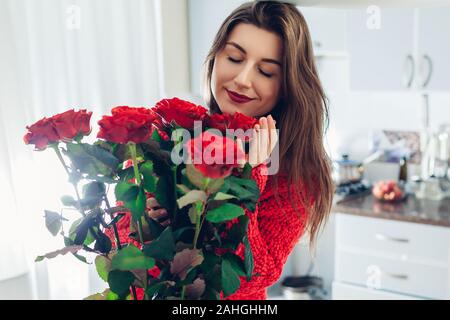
column 327, row 28
column 344, row 291
column 434, row 44
column 378, row 56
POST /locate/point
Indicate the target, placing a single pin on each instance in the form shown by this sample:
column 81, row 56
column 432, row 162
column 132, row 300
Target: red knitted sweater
column 273, row 231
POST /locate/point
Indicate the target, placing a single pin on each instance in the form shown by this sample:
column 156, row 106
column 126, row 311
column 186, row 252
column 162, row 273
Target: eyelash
column 238, row 61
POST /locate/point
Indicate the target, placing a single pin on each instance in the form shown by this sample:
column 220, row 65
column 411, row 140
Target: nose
column 243, row 79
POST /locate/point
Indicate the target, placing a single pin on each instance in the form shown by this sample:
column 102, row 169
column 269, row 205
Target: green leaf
column 224, row 196
column 210, row 260
column 68, row 201
column 211, row 294
column 162, row 194
column 130, row 258
column 247, row 171
column 137, row 207
column 79, row 232
column 53, row 222
column 149, row 181
column 230, row 279
column 133, row 198
column 225, row 212
column 246, row 190
column 195, row 176
column 155, row 227
column 191, row 197
column 192, row 213
column 63, row 251
column 155, row 288
column 93, row 193
column 155, row 136
column 103, row 266
column 183, row 189
column 248, row 258
column 102, row 243
column 214, row 185
column 120, row 281
column 126, row 191
column 177, row 234
column 236, row 263
column 91, row 159
column 163, row 247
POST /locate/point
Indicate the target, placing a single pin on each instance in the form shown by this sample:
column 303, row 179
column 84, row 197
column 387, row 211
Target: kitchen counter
column 411, row 209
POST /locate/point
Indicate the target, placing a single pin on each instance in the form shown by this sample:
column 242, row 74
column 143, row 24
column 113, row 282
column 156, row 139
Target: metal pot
column 346, row 171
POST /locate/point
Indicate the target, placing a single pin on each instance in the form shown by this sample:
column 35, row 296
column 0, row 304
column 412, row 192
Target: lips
column 236, row 97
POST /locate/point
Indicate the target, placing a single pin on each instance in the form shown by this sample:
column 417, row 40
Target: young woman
column 261, row 64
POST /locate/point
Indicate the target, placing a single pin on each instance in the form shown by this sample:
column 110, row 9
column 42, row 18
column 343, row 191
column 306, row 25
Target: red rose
column 62, row 126
column 227, row 121
column 217, row 156
column 184, row 113
column 70, row 123
column 127, row 124
column 41, row 134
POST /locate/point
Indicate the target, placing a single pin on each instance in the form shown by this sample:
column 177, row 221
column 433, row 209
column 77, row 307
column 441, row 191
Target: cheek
column 225, row 72
column 269, row 91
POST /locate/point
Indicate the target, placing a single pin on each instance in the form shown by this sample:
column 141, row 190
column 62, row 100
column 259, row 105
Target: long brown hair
column 301, row 111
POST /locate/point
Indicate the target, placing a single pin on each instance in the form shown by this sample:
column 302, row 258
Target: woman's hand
column 156, row 212
column 263, row 142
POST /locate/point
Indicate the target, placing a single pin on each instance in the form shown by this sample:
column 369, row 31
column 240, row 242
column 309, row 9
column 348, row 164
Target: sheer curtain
column 56, row 55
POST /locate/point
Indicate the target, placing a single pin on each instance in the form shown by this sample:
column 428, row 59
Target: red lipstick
column 238, row 98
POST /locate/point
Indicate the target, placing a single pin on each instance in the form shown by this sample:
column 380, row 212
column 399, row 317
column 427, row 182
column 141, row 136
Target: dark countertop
column 411, row 209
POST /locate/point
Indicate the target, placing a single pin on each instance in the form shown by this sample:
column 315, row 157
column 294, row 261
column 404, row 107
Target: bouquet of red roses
column 191, row 162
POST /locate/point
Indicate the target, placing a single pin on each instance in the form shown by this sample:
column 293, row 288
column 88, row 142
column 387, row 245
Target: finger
column 273, row 136
column 240, row 156
column 165, row 223
column 157, row 214
column 152, row 203
column 254, row 145
column 263, row 141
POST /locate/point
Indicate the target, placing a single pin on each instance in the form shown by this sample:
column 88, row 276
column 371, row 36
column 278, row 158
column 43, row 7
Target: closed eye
column 233, row 60
column 268, row 75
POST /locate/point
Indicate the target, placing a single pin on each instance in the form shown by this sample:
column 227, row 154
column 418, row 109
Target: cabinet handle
column 408, row 80
column 427, row 58
column 384, row 237
column 400, row 276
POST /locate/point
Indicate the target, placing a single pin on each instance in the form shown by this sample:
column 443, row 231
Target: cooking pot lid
column 346, row 161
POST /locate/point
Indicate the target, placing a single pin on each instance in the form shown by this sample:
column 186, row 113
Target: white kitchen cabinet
column 327, row 28
column 344, row 291
column 379, row 56
column 392, row 257
column 396, row 56
column 434, row 44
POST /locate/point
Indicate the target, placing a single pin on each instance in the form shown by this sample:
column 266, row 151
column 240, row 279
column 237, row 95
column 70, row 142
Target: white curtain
column 56, row 55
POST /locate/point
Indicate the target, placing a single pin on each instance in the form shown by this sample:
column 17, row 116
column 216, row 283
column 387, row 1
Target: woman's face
column 250, row 66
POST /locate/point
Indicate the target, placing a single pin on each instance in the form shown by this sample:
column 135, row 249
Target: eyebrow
column 234, row 44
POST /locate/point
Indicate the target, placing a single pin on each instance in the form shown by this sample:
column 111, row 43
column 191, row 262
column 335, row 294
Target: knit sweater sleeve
column 273, row 231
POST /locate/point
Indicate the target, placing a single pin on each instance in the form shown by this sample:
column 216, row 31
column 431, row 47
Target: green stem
column 197, row 227
column 116, row 232
column 183, row 291
column 137, row 175
column 174, row 176
column 61, row 159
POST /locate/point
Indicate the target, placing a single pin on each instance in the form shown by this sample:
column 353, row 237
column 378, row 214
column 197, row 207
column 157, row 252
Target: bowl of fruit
column 388, row 191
